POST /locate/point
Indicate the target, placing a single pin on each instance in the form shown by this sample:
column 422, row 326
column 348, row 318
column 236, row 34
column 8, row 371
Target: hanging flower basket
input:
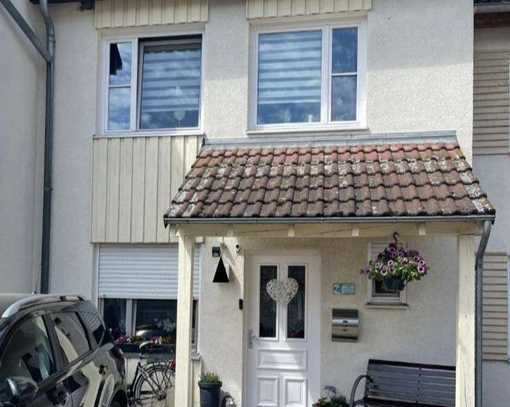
column 396, row 266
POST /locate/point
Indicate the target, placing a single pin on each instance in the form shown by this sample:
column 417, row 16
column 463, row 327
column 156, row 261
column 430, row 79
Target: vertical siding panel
column 270, row 8
column 298, row 7
column 98, row 14
column 156, row 12
column 100, row 174
column 256, row 8
column 327, row 6
column 151, row 190
column 177, row 171
column 137, row 212
column 142, row 12
column 169, row 12
column 190, row 151
column 204, row 10
column 125, row 189
column 112, row 198
column 284, row 8
column 341, row 5
column 367, row 4
column 130, row 14
column 181, row 11
column 164, row 179
column 106, row 18
column 194, row 10
column 355, row 4
column 312, row 6
column 177, row 164
column 118, row 13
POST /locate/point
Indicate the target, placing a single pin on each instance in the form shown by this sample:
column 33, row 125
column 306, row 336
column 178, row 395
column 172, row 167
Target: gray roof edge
column 348, row 139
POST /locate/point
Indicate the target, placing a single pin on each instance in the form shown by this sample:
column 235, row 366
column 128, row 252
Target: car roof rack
column 39, row 299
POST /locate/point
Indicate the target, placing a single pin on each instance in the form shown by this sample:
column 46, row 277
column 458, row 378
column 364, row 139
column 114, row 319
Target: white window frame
column 134, row 39
column 373, row 299
column 325, row 122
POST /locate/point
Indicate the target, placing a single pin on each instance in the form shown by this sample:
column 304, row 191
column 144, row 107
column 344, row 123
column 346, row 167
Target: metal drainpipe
column 49, row 56
column 487, row 226
column 48, row 148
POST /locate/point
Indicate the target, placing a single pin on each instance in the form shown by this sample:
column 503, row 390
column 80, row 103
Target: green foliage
column 335, row 401
column 209, row 378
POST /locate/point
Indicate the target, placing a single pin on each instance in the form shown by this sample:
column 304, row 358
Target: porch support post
column 184, row 323
column 466, row 344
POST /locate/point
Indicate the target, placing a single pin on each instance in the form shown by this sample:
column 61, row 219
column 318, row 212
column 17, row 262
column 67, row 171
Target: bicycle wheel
column 152, row 386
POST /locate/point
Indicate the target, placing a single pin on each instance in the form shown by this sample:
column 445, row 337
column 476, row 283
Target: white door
column 283, row 367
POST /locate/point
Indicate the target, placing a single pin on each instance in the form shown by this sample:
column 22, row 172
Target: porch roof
column 319, row 181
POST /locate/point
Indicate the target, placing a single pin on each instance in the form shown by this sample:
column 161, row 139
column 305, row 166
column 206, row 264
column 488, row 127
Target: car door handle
column 59, row 397
column 103, row 369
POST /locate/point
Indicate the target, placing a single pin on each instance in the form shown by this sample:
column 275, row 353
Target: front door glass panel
column 296, row 309
column 267, row 308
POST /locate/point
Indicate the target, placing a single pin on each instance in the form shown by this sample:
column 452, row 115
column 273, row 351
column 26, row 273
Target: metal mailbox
column 345, row 325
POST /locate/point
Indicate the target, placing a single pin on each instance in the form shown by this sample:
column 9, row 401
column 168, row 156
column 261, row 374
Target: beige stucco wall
column 424, row 332
column 72, row 258
column 492, row 171
column 22, row 71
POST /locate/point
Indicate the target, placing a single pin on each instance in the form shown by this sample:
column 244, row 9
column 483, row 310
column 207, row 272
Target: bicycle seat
column 149, row 347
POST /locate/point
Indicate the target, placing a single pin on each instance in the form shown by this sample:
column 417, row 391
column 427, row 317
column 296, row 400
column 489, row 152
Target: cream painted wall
column 72, row 259
column 492, row 171
column 22, row 132
column 425, row 332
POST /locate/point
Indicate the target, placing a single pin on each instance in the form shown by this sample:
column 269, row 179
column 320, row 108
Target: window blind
column 289, row 77
column 170, row 83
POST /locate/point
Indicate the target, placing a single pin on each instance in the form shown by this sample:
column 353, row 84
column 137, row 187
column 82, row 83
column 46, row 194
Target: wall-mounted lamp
column 221, row 275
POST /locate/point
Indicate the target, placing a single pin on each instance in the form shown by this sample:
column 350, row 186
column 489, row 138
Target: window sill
column 386, row 306
column 159, row 133
column 308, row 129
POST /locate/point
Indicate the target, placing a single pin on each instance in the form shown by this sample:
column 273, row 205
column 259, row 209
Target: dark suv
column 55, row 351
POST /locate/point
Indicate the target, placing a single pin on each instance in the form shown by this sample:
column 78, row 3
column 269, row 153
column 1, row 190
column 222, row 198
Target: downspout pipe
column 47, row 51
column 487, row 226
column 48, row 148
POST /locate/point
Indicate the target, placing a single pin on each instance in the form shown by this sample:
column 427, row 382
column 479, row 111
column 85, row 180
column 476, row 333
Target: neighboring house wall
column 492, row 166
column 72, row 259
column 22, row 117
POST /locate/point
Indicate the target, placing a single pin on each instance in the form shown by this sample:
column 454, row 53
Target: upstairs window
column 309, row 77
column 154, row 84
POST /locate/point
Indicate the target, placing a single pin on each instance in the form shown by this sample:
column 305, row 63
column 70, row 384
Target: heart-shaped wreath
column 282, row 291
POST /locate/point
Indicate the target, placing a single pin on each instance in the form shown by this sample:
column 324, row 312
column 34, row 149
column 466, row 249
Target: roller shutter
column 141, row 271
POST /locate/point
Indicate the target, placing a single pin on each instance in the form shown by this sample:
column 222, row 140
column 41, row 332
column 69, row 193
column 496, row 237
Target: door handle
column 251, row 338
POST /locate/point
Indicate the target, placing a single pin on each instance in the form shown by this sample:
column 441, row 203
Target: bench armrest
column 353, row 402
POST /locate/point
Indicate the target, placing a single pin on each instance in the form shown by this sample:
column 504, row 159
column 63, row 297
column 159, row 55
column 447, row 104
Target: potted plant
column 331, row 398
column 210, row 385
column 396, row 266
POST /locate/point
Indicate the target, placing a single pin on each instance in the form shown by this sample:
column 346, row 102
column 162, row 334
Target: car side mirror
column 21, row 390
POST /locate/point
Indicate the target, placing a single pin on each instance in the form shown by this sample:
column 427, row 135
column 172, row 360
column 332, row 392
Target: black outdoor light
column 221, row 275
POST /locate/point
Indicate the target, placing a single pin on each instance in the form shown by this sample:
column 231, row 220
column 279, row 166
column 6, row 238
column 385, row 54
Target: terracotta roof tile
column 330, row 181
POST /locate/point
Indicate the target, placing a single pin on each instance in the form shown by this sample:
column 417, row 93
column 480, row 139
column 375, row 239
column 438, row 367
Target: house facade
column 275, row 87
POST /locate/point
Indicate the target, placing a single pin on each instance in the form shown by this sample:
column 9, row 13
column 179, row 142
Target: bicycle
column 154, row 377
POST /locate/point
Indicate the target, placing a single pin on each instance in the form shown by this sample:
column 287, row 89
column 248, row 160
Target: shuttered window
column 495, row 306
column 142, row 271
column 491, row 103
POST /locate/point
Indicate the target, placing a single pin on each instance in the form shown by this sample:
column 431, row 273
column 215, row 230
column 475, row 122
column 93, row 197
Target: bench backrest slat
column 414, row 383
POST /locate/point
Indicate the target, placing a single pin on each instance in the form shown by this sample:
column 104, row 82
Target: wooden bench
column 405, row 384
